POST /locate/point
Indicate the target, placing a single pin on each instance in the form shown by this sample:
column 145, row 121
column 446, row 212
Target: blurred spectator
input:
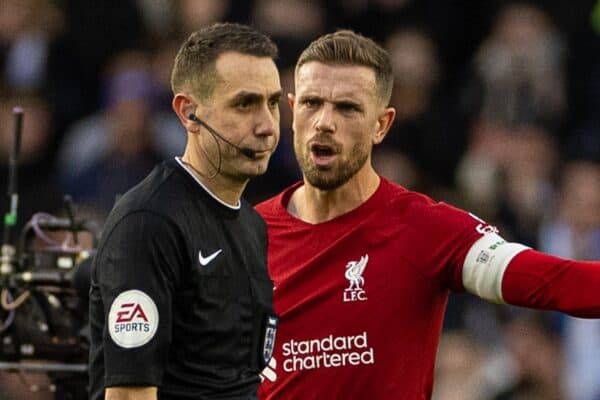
column 426, row 119
column 525, row 366
column 506, row 172
column 94, row 32
column 574, row 231
column 57, row 48
column 168, row 135
column 536, row 360
column 30, row 33
column 109, row 152
column 159, row 17
column 527, row 190
column 291, row 23
column 27, row 30
column 521, row 69
column 459, row 368
column 506, row 177
column 194, row 14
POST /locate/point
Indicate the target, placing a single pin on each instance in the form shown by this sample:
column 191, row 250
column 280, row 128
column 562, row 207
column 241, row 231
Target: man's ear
column 291, row 101
column 384, row 123
column 183, row 105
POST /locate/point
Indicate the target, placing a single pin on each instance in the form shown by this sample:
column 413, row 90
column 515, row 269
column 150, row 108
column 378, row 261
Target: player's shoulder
column 266, row 205
column 400, row 198
column 276, row 205
column 409, row 204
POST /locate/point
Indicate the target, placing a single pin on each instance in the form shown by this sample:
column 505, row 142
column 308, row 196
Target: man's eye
column 310, row 102
column 347, row 107
column 244, row 104
column 273, row 103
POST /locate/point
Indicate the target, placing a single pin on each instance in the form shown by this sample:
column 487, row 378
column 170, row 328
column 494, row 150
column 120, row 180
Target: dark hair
column 350, row 48
column 194, row 68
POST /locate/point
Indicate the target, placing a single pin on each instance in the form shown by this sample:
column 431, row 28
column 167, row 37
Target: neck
column 227, row 190
column 313, row 205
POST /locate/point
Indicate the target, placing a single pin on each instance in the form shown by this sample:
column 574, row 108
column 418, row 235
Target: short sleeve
column 137, row 270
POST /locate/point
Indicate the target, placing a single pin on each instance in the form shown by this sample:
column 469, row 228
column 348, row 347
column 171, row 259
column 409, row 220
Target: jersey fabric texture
column 180, row 292
column 361, row 298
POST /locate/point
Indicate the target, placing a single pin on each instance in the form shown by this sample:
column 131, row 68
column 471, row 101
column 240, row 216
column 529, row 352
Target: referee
column 180, row 300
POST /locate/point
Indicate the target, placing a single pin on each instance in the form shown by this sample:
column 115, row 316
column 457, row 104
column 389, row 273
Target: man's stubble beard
column 331, row 178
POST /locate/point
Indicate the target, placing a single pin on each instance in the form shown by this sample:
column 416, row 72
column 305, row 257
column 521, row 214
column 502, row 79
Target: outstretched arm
column 538, row 280
column 511, row 273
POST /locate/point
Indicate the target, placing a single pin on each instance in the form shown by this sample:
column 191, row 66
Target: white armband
column 485, row 265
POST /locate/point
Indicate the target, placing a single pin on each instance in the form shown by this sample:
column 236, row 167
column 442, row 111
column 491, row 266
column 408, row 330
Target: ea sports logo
column 133, row 319
column 129, row 311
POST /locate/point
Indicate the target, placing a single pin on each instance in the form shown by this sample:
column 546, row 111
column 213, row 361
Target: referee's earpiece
column 189, row 112
column 192, row 117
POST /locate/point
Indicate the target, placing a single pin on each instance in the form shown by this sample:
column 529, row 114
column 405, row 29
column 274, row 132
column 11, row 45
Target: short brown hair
column 351, row 48
column 194, row 68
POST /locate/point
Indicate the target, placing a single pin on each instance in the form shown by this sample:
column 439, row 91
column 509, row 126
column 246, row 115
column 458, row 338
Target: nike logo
column 205, row 260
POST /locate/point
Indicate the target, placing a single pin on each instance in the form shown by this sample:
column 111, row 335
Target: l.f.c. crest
column 354, row 274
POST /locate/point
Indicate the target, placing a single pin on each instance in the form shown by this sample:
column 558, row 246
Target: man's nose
column 324, row 121
column 267, row 121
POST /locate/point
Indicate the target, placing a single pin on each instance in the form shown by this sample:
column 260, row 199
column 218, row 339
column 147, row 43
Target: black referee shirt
column 180, row 294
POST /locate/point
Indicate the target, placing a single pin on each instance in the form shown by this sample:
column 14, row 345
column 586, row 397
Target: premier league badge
column 269, row 338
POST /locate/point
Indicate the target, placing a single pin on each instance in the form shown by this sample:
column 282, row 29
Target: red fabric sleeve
column 537, row 280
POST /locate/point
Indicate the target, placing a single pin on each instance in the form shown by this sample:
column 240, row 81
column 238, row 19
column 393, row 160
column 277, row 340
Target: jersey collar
column 207, row 190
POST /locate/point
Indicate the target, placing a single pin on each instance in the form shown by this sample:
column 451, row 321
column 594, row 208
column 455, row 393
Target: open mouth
column 322, row 155
column 320, row 150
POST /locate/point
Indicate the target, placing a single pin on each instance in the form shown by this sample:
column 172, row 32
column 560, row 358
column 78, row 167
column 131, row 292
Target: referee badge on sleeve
column 269, row 338
column 132, row 319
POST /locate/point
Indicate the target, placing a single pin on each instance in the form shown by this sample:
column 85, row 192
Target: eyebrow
column 347, row 102
column 336, row 102
column 276, row 95
column 254, row 96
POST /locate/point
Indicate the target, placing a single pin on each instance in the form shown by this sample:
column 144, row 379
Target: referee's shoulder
column 156, row 194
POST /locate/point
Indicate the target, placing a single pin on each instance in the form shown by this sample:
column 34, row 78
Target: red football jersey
column 361, row 298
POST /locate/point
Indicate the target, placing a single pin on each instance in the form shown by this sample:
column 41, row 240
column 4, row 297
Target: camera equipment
column 44, row 278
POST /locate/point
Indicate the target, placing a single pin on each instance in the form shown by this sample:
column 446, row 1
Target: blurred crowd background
column 498, row 112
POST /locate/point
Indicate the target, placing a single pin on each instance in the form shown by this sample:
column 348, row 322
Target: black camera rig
column 44, row 279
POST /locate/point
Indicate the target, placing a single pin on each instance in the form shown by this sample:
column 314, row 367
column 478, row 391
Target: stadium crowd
column 497, row 112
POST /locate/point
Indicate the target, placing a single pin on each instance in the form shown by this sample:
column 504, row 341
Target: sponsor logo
column 205, row 260
column 328, row 352
column 132, row 319
column 354, row 274
column 129, row 311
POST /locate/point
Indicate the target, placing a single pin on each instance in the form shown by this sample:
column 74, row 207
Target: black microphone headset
column 246, row 151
